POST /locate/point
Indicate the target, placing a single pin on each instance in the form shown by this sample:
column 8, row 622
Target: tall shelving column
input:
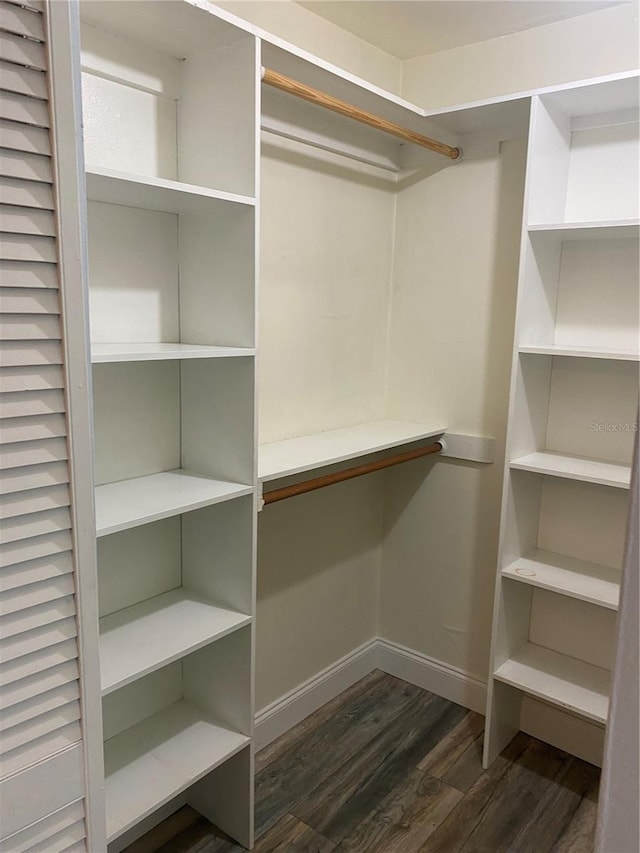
column 573, row 404
column 171, row 106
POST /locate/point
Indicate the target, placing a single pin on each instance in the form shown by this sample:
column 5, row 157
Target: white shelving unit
column 305, row 453
column 573, row 404
column 170, row 134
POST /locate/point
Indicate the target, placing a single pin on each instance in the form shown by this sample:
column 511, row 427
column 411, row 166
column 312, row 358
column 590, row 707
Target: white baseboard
column 297, row 704
column 418, row 669
column 447, row 681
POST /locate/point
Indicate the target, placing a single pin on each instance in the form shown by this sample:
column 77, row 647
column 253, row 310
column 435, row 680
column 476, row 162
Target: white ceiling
column 408, row 28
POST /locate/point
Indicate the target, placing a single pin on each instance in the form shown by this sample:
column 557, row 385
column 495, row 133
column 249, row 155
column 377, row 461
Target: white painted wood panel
column 40, row 834
column 137, row 419
column 593, row 409
column 19, row 274
column 571, row 684
column 130, row 503
column 22, row 301
column 54, row 566
column 101, row 353
column 134, row 190
column 21, row 21
column 150, row 763
column 598, row 299
column 296, row 455
column 575, row 468
column 37, row 790
column 591, row 637
column 22, row 51
column 579, row 579
column 24, row 220
column 568, row 351
column 18, row 354
column 128, row 129
column 24, row 81
column 159, row 631
column 28, row 453
column 604, row 173
column 141, row 699
column 14, row 379
column 20, row 108
column 22, row 137
column 133, row 295
column 140, row 563
column 30, row 167
column 599, row 229
column 218, row 278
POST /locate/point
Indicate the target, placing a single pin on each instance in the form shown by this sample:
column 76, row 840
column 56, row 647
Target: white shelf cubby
column 182, row 734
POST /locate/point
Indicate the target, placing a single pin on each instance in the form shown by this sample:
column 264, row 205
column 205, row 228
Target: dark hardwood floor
column 389, row 767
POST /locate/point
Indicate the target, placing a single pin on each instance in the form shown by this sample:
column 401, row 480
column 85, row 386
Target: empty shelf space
column 563, row 681
column 104, row 353
column 296, row 455
column 150, row 763
column 580, row 352
column 142, row 638
column 575, row 468
column 129, row 503
column 567, row 576
column 603, row 230
column 150, row 193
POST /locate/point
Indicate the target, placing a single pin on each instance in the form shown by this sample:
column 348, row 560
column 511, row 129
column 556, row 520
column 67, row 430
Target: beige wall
column 327, row 233
column 455, row 278
column 297, row 25
column 604, row 42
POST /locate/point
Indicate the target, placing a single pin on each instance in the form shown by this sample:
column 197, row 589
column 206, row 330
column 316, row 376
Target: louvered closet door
column 41, row 753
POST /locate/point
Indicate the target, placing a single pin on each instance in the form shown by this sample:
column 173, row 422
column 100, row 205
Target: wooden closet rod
column 300, row 90
column 349, row 473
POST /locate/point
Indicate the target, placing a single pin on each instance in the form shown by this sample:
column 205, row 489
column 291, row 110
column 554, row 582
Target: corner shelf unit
column 572, row 413
column 171, row 139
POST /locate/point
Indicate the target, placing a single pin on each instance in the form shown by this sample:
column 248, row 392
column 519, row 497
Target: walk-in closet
column 319, row 395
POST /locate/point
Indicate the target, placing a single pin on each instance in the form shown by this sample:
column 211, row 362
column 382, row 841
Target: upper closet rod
column 300, row 90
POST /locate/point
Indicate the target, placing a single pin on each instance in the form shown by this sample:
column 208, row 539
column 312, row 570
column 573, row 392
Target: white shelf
column 567, row 576
column 150, row 193
column 107, row 353
column 153, row 761
column 142, row 638
column 563, row 681
column 130, row 503
column 575, row 468
column 602, row 230
column 580, row 352
column 295, row 455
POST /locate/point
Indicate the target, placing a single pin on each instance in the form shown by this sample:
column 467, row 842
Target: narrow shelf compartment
column 142, row 638
column 575, row 468
column 153, row 761
column 580, row 352
column 296, row 455
column 149, row 193
column 109, row 353
column 602, row 230
column 569, row 683
column 129, row 503
column 565, row 575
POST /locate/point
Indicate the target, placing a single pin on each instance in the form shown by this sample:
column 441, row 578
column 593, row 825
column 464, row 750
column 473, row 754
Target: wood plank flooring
column 389, row 768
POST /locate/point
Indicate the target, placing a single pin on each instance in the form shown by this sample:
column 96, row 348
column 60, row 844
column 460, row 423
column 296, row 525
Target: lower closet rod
column 349, row 473
column 315, row 96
